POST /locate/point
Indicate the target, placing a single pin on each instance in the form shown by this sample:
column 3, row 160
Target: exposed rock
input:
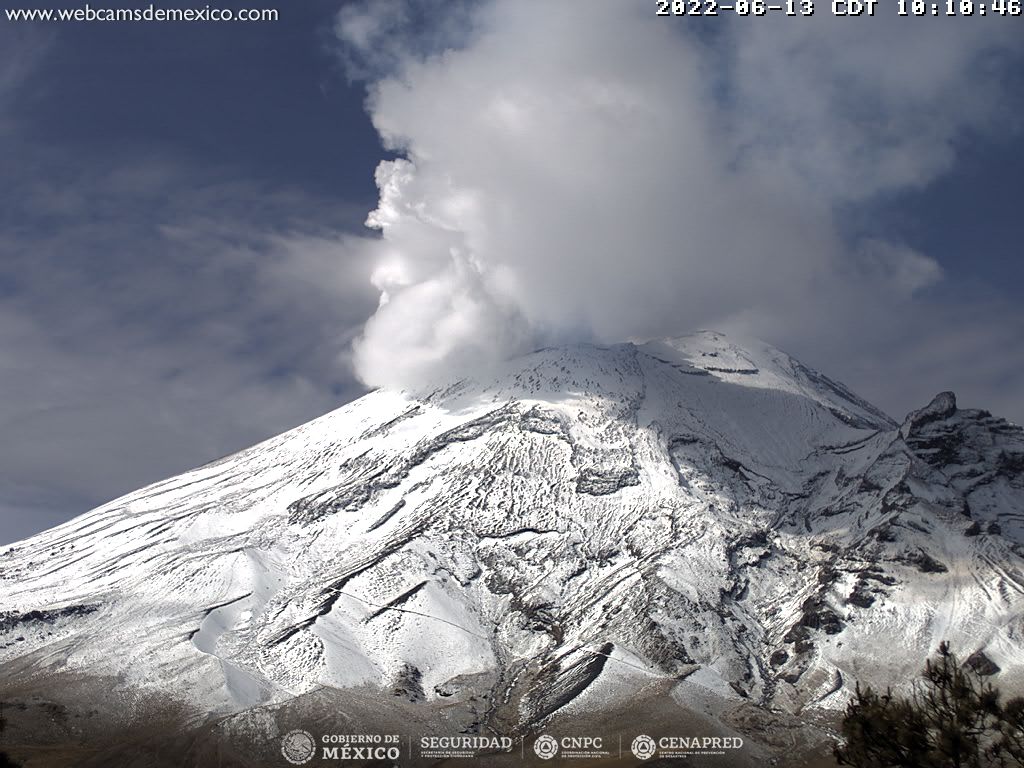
column 10, row 619
column 861, row 595
column 924, row 562
column 982, row 664
column 818, row 614
column 408, row 683
column 942, row 406
column 602, row 482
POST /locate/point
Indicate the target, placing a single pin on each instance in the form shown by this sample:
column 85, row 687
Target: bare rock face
column 588, row 522
column 408, row 683
column 942, row 406
column 982, row 664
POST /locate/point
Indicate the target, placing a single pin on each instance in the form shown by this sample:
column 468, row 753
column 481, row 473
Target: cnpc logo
column 547, row 746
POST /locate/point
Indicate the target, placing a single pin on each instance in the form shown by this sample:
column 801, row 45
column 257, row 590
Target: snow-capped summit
column 586, row 520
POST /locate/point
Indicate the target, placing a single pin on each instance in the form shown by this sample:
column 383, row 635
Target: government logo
column 298, row 747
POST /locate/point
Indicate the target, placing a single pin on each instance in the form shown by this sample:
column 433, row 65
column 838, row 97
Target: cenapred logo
column 298, row 746
column 672, row 747
column 643, row 747
column 546, row 747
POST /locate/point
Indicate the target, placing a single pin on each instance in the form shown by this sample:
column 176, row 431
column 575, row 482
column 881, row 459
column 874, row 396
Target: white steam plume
column 591, row 171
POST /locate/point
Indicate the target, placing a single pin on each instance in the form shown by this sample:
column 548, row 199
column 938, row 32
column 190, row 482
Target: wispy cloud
column 156, row 316
column 22, row 48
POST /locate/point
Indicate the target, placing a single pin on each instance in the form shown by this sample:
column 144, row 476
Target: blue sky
column 184, row 266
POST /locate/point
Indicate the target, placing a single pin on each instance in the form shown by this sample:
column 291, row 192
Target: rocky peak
column 942, row 406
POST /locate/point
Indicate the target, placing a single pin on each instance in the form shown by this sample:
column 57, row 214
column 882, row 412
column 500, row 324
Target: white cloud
column 608, row 174
column 855, row 107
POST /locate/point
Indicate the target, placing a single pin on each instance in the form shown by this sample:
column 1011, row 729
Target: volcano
column 715, row 521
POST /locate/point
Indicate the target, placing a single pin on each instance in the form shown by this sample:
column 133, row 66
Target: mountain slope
column 584, row 522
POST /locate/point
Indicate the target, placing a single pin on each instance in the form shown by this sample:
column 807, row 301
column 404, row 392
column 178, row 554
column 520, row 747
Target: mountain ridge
column 587, row 520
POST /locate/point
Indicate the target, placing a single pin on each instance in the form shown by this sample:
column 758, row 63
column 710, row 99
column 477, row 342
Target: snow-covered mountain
column 585, row 520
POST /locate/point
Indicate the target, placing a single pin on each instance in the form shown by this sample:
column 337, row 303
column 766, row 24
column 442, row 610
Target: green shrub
column 953, row 719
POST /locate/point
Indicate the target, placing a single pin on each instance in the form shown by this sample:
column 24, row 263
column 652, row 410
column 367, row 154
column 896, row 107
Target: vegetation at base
column 953, row 719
